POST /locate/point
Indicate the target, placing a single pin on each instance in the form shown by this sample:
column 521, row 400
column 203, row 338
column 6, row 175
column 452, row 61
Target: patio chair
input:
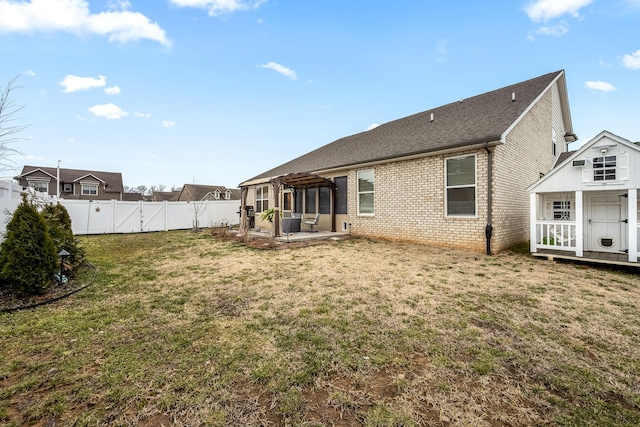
column 312, row 222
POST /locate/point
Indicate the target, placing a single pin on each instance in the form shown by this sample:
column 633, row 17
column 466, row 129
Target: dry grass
column 188, row 329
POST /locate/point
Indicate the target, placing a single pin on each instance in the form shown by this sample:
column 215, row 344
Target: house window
column 604, row 168
column 297, row 207
column 89, row 189
column 461, row 186
column 67, row 188
column 42, row 186
column 310, row 201
column 227, row 195
column 341, row 194
column 216, row 194
column 554, row 149
column 325, row 200
column 562, row 210
column 262, row 198
column 286, row 201
column 366, row 185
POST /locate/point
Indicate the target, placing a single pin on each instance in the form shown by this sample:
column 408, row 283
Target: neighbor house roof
column 476, row 120
column 199, row 192
column 171, row 196
column 112, row 180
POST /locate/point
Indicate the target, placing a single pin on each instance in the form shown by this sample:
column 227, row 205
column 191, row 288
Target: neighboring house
column 169, row 196
column 196, row 192
column 587, row 206
column 74, row 183
column 134, row 197
column 456, row 175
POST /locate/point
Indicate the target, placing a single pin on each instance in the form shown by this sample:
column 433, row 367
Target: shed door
column 606, row 226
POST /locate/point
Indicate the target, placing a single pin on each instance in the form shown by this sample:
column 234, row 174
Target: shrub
column 59, row 223
column 28, row 257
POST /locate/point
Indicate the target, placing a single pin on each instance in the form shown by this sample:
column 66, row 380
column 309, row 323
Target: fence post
column 165, row 207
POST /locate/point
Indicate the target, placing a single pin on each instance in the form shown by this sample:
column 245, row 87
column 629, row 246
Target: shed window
column 562, row 210
column 461, row 186
column 604, row 168
column 366, row 187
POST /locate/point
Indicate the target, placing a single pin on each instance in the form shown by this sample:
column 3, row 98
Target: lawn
column 188, row 329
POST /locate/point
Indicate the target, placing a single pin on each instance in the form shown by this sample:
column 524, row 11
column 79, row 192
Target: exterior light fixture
column 63, row 254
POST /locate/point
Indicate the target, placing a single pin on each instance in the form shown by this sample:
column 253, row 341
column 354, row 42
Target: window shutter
column 623, row 166
column 587, row 175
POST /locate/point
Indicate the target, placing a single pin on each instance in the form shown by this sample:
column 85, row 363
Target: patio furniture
column 312, row 222
column 291, row 225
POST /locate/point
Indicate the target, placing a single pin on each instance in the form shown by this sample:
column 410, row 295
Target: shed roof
column 479, row 119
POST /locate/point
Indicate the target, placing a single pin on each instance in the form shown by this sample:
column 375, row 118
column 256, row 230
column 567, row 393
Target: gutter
column 488, row 230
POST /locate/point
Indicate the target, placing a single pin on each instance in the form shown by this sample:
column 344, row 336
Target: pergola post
column 242, row 228
column 276, row 208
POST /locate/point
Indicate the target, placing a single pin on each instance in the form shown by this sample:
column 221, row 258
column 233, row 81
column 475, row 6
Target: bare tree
column 8, row 129
column 156, row 188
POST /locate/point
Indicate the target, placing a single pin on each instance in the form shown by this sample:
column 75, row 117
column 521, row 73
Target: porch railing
column 559, row 235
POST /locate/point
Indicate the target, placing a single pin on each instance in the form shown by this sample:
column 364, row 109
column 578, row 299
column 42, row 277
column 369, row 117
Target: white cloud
column 73, row 16
column 554, row 30
column 168, row 123
column 220, row 7
column 30, row 73
column 112, row 90
column 74, row 83
column 601, row 86
column 142, row 115
column 108, row 111
column 544, row 10
column 372, row 126
column 442, row 47
column 281, row 69
column 632, row 61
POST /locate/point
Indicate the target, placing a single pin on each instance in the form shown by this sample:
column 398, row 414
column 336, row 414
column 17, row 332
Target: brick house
column 74, row 183
column 455, row 175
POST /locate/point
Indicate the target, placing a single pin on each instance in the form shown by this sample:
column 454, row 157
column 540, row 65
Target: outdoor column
column 632, row 225
column 579, row 224
column 276, row 208
column 533, row 216
column 242, row 228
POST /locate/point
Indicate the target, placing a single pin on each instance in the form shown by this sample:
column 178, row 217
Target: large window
column 262, row 198
column 461, row 186
column 604, row 168
column 297, row 206
column 325, row 200
column 42, row 186
column 89, row 189
column 366, row 185
column 286, row 201
column 310, row 200
column 341, row 194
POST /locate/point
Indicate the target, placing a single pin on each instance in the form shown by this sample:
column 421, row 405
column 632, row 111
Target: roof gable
column 111, row 180
column 87, row 176
column 564, row 163
column 479, row 119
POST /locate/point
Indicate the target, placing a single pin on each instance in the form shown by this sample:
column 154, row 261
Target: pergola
column 295, row 182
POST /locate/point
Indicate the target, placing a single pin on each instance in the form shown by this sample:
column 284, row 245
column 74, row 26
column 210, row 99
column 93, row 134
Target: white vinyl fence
column 113, row 216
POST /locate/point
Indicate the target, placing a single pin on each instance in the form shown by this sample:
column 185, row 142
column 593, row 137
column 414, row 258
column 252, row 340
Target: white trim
column 533, row 217
column 579, row 223
column 632, row 224
column 86, row 184
column 475, row 185
column 358, row 192
column 89, row 174
column 35, row 170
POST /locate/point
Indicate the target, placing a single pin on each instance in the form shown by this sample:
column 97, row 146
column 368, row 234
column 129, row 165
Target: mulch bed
column 11, row 302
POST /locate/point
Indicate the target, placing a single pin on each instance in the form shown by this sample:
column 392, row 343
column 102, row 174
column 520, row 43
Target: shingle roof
column 112, row 179
column 197, row 192
column 482, row 118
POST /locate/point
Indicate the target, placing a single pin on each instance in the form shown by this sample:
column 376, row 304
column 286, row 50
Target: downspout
column 488, row 230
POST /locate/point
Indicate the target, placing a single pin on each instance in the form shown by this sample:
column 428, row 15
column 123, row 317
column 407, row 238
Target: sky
column 215, row 92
